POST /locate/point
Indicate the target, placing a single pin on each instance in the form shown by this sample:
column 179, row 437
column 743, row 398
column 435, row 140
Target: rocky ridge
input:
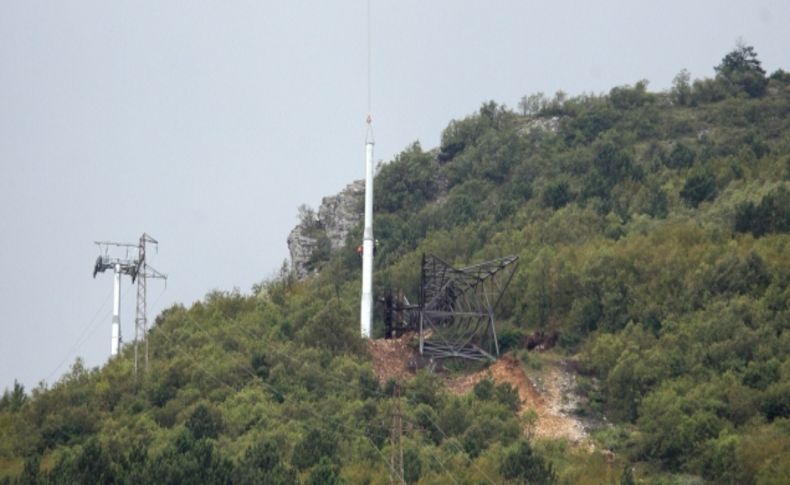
column 319, row 232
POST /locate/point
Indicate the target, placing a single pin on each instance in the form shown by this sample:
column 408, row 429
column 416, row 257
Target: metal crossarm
column 456, row 307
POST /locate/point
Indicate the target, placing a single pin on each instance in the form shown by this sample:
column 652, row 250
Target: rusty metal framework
column 400, row 316
column 457, row 307
column 455, row 314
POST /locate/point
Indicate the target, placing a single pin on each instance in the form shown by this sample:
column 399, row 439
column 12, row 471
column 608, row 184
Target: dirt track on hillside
column 553, row 421
column 395, row 359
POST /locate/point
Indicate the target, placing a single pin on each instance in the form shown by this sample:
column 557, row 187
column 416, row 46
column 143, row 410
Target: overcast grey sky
column 206, row 124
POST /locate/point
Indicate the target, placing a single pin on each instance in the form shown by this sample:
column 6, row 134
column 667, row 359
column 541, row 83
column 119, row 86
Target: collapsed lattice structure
column 455, row 313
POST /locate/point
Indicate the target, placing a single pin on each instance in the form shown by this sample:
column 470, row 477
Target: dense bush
column 522, row 465
column 771, row 215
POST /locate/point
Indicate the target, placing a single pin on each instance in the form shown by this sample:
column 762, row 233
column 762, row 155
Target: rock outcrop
column 338, row 214
column 550, row 124
column 317, row 234
column 302, row 245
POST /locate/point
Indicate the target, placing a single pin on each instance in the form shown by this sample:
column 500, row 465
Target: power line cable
column 86, row 332
column 370, row 63
column 378, row 393
column 343, row 383
column 258, row 380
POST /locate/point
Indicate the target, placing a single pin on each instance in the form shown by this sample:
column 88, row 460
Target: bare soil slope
column 553, row 421
column 552, row 403
column 392, row 359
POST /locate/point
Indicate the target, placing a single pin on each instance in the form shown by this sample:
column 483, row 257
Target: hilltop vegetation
column 653, row 231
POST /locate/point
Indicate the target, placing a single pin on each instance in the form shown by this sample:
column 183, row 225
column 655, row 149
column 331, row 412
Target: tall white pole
column 366, row 316
column 116, row 311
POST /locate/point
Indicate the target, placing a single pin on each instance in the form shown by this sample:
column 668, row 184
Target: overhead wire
column 257, row 380
column 92, row 325
column 261, row 382
column 344, row 383
column 370, row 63
column 86, row 332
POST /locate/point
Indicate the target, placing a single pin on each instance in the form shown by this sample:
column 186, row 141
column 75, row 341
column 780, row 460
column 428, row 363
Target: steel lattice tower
column 396, row 457
column 455, row 314
column 144, row 271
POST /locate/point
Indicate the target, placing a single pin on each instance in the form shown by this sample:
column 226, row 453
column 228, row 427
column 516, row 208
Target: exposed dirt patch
column 394, row 358
column 560, row 402
column 553, row 406
column 553, row 399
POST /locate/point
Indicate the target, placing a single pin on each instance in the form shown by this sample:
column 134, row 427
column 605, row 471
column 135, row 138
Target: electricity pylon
column 144, row 271
column 396, row 457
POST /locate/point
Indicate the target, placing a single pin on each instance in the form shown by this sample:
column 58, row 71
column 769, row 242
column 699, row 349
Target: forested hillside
column 653, row 231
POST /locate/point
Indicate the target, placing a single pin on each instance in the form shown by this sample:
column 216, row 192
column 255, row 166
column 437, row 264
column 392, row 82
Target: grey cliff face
column 301, row 246
column 338, row 214
column 317, row 234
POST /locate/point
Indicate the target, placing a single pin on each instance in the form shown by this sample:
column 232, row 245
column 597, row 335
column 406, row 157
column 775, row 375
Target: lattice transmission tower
column 454, row 316
column 144, row 271
column 396, row 456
